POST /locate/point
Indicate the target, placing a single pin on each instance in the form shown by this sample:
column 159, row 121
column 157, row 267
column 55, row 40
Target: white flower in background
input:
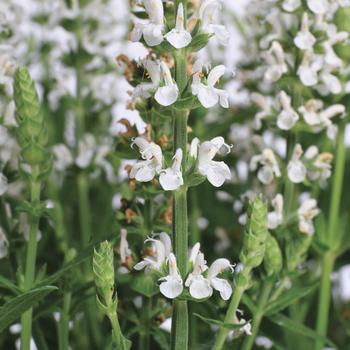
column 3, row 184
column 319, row 119
column 245, row 329
column 329, row 83
column 166, row 325
column 171, row 178
column 265, row 104
column 275, row 217
column 124, row 250
column 147, row 169
column 288, row 116
column 296, row 168
column 202, row 287
column 161, row 250
column 341, row 288
column 318, row 7
column 4, row 244
column 86, row 151
column 207, row 94
column 306, row 213
column 167, row 94
column 172, row 284
column 330, row 57
column 291, row 5
column 263, row 342
column 62, row 157
column 152, row 31
column 308, row 70
column 269, row 169
column 304, row 40
column 320, row 164
column 275, row 60
column 208, row 12
column 215, row 172
column 179, row 37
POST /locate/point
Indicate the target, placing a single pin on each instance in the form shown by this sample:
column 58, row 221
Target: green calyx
column 273, row 260
column 32, row 135
column 253, row 249
column 103, row 268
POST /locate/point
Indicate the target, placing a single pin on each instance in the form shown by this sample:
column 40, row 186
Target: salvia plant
column 162, row 187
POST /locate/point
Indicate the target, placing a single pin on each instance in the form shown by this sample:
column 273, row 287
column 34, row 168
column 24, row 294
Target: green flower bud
column 273, row 256
column 343, row 24
column 103, row 268
column 296, row 250
column 34, row 154
column 253, row 249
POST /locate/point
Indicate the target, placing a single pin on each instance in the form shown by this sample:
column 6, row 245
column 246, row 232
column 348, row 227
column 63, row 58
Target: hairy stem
column 63, row 340
column 258, row 316
column 29, row 276
column 328, row 259
column 231, row 312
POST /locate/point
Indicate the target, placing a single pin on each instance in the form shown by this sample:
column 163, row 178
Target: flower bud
column 253, row 250
column 296, row 250
column 103, row 268
column 273, row 256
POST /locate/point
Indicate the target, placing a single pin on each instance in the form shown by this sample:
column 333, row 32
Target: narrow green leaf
column 288, row 298
column 298, row 328
column 145, row 285
column 8, row 284
column 219, row 323
column 14, row 308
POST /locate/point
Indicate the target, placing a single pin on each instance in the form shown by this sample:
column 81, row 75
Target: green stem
column 329, row 258
column 63, row 341
column 145, row 340
column 84, row 209
column 258, row 316
column 26, row 318
column 116, row 331
column 230, row 314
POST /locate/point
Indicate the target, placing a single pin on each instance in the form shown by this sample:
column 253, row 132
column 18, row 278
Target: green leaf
column 194, row 179
column 161, row 338
column 14, row 308
column 190, row 102
column 213, row 322
column 199, row 41
column 145, row 285
column 298, row 328
column 7, row 284
column 288, row 298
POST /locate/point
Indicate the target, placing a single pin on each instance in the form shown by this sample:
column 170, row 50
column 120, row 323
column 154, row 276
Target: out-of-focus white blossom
column 306, row 213
column 304, row 40
column 171, row 178
column 288, row 116
column 275, row 217
column 269, row 166
column 4, row 244
column 296, row 168
column 275, row 60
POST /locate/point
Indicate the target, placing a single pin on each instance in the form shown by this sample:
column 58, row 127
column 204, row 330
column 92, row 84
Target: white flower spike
column 296, row 169
column 147, row 169
column 172, row 284
column 215, row 172
column 171, row 178
column 166, row 95
column 151, row 31
column 179, row 37
column 304, row 39
column 288, row 116
column 275, row 217
column 207, row 94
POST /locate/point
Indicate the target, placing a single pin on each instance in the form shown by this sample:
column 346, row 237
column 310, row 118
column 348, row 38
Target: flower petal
column 170, row 180
column 200, row 287
column 217, row 173
column 171, row 287
column 167, row 95
column 222, row 286
column 207, row 96
column 215, row 74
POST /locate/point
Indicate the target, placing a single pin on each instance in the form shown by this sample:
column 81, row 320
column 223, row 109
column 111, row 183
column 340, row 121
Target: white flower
column 318, row 119
column 166, row 95
column 275, row 60
column 161, row 250
column 275, row 217
column 288, row 117
column 63, row 157
column 264, row 342
column 3, row 184
column 179, row 37
column 318, row 7
column 320, row 164
column 331, row 83
column 215, row 172
column 269, row 169
column 124, row 250
column 291, row 5
column 171, row 178
column 245, row 329
column 86, row 151
column 296, row 169
column 207, row 94
column 4, row 244
column 172, row 285
column 147, row 169
column 151, row 31
column 265, row 104
column 342, row 284
column 209, row 11
column 307, row 211
column 308, row 69
column 330, row 57
column 202, row 287
column 304, row 40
